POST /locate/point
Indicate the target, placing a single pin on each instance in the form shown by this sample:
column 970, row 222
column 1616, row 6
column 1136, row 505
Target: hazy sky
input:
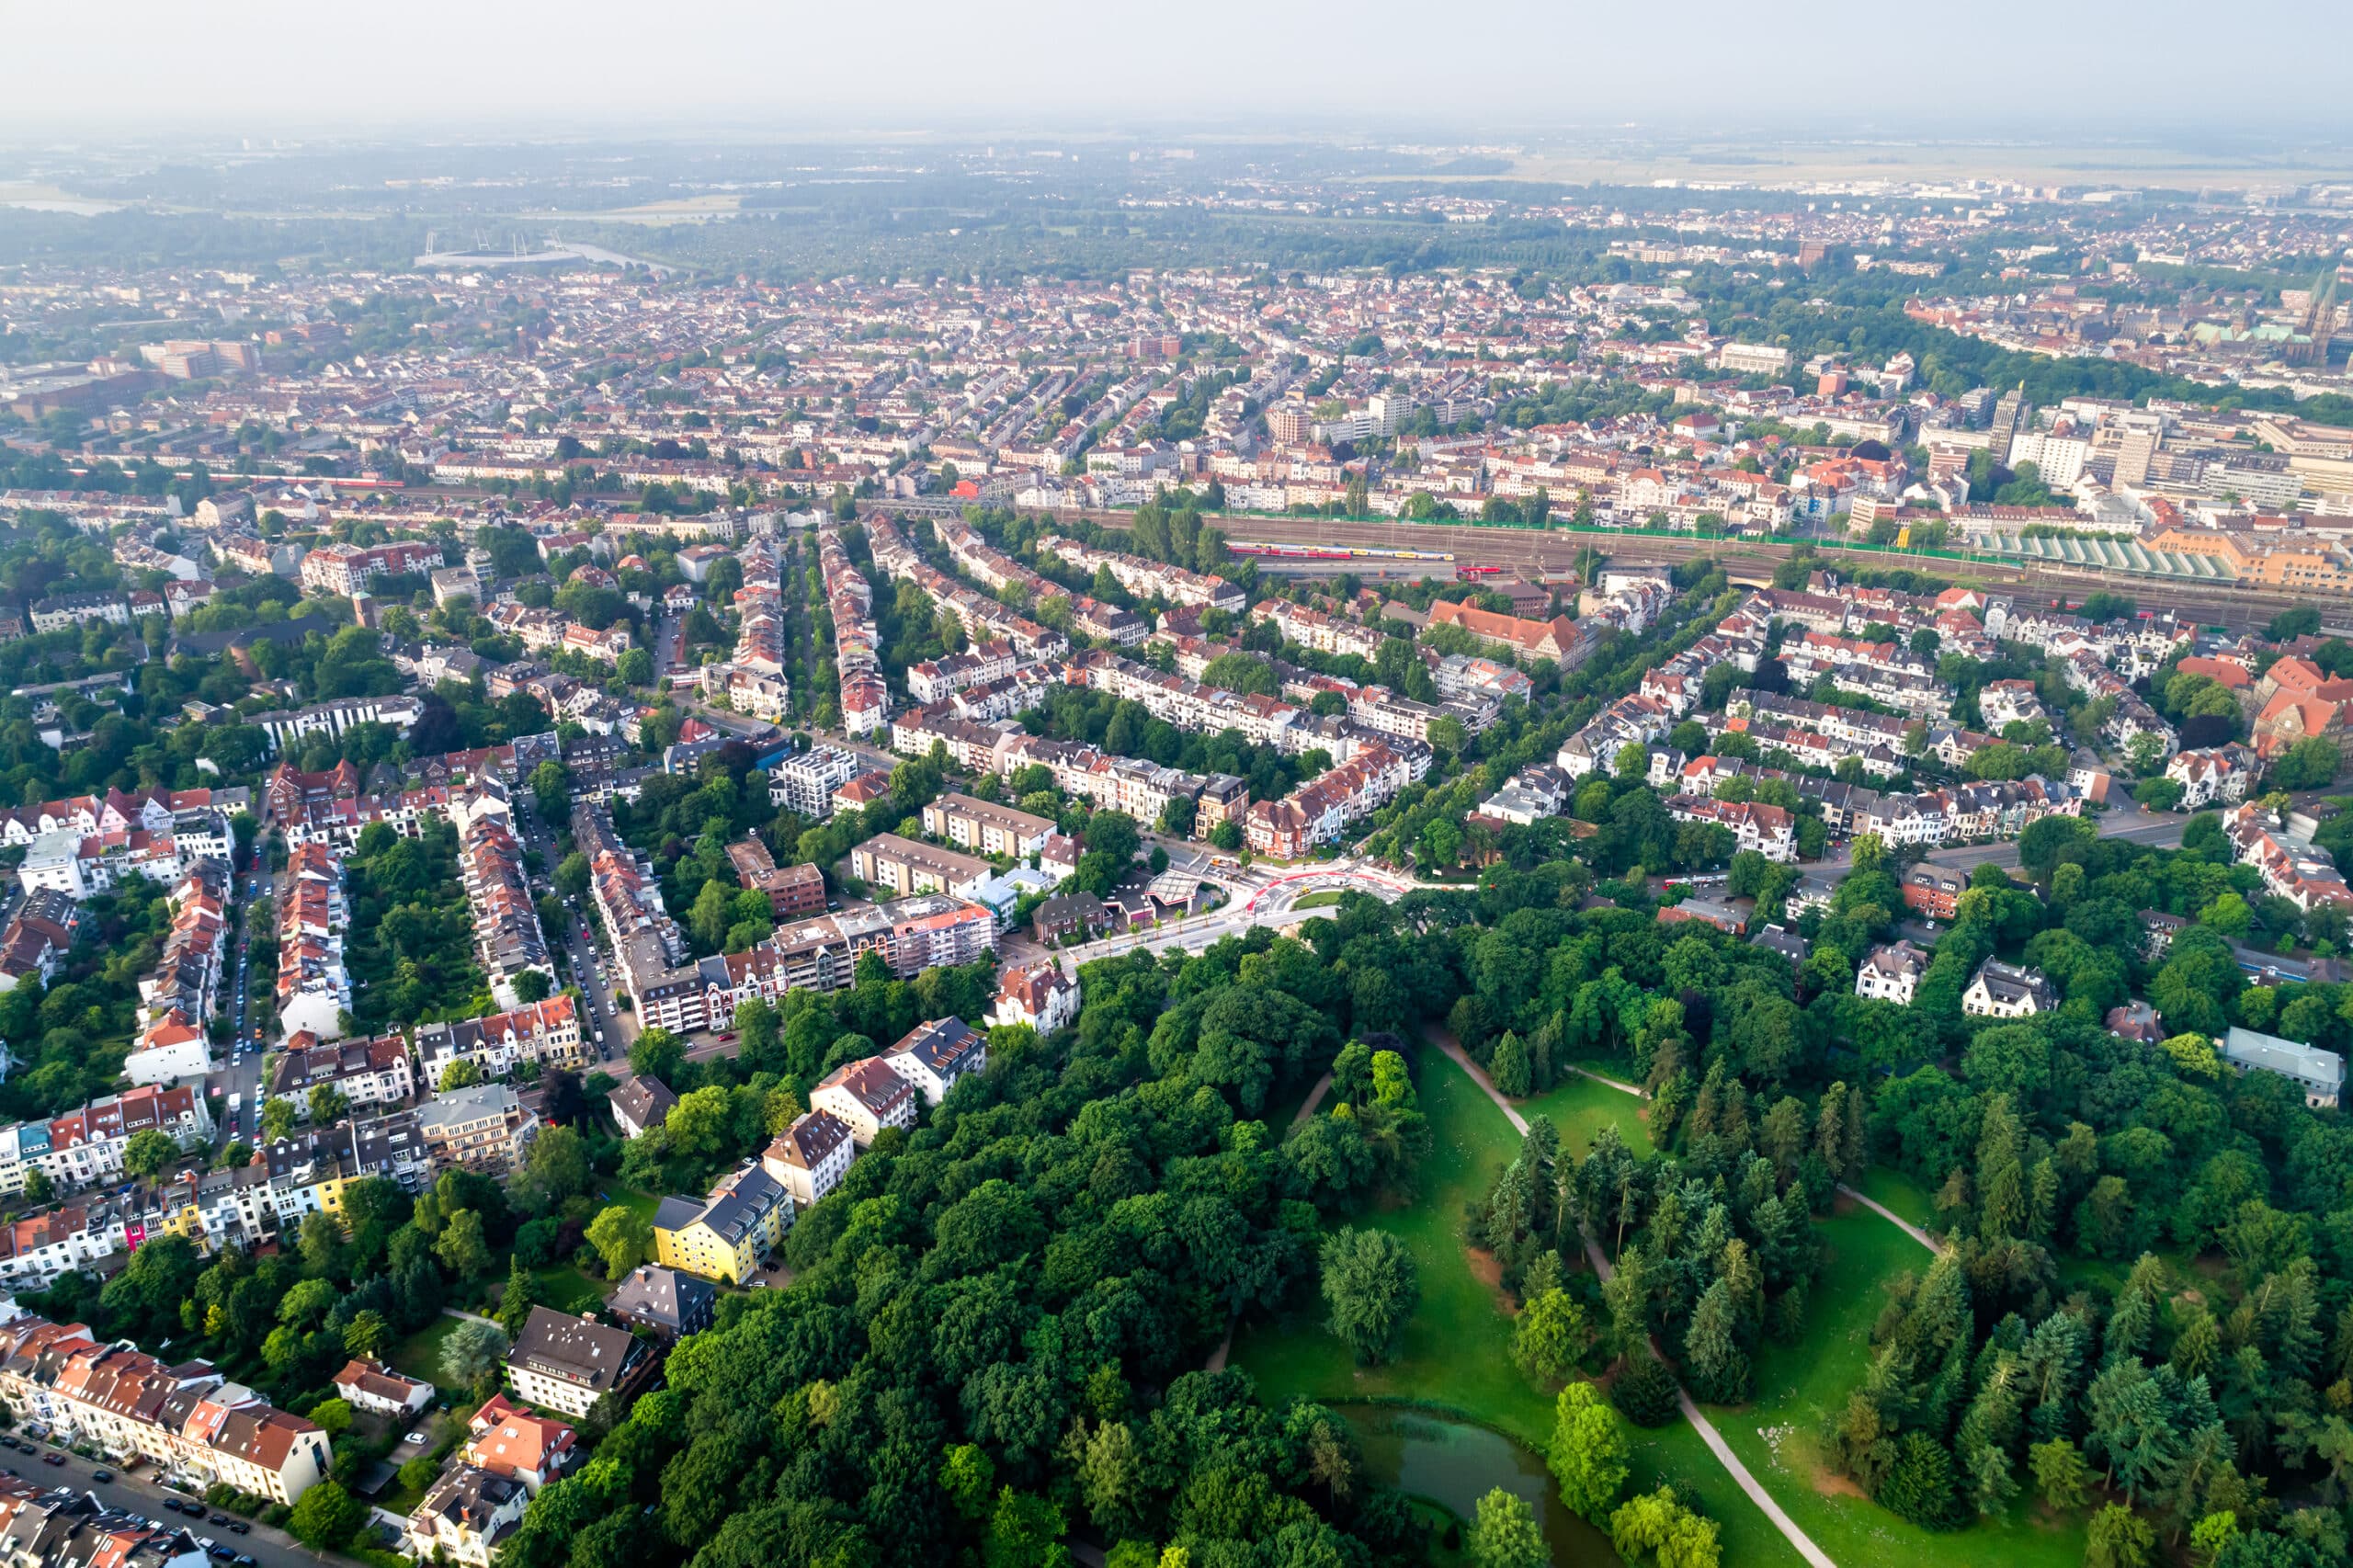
column 787, row 66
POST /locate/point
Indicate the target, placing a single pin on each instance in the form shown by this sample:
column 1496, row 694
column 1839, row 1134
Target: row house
column 508, row 936
column 1204, row 709
column 363, row 1071
column 1811, row 748
column 1632, row 719
column 194, row 1426
column 1149, row 579
column 2207, row 776
column 2288, row 866
column 970, row 746
column 546, row 1032
column 1318, row 812
column 821, row 954
column 1134, row 785
column 348, row 569
column 936, row 680
column 1852, row 725
column 1315, row 630
column 313, row 988
column 865, row 700
column 1770, row 830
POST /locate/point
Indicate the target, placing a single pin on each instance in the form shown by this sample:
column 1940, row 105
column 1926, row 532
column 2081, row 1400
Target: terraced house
column 546, row 1032
column 193, row 1424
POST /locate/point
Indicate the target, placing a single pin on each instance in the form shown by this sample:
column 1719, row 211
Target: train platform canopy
column 2116, row 555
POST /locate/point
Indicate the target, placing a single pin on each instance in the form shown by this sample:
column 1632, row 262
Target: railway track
column 2239, row 609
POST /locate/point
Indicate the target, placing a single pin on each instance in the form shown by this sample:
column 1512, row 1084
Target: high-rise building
column 2132, row 455
column 2009, row 418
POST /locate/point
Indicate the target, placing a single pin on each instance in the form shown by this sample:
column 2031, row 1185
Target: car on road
column 102, row 1475
column 418, row 1437
column 239, row 1526
column 52, row 1458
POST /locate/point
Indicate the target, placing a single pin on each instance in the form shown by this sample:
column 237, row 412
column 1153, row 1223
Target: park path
column 1924, row 1238
column 468, row 1317
column 1892, row 1218
column 1314, row 1097
column 1740, row 1473
column 1216, row 1363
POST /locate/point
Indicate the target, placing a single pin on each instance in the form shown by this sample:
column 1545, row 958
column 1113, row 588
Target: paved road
column 239, row 1076
column 1815, row 1557
column 269, row 1548
column 620, row 1028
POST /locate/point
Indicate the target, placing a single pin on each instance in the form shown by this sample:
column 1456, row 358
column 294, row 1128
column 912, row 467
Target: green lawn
column 1800, row 1388
column 419, row 1355
column 564, row 1287
column 1456, row 1349
column 1323, row 899
column 1581, row 1108
column 1903, row 1196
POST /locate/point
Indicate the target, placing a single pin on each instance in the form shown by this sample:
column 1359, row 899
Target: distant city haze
column 1384, row 69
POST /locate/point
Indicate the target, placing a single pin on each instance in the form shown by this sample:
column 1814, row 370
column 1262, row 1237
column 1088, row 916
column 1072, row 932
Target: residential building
column 370, row 1385
column 483, row 1127
column 728, row 1236
column 670, row 1302
column 804, row 782
column 519, row 1445
column 2006, row 990
column 640, row 1103
column 810, row 1156
column 466, row 1516
column 868, row 1096
column 986, row 828
column 935, row 1056
column 1892, row 973
column 907, row 867
column 1039, row 995
column 1933, row 890
column 2320, row 1074
column 568, row 1363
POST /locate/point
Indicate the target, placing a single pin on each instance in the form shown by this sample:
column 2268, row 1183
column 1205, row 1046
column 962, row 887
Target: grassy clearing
column 1456, row 1349
column 419, row 1355
column 1800, row 1389
column 1322, row 899
column 1581, row 1108
column 1905, row 1197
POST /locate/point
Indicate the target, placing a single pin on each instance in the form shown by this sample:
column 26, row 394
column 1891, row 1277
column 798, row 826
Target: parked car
column 52, row 1458
column 239, row 1526
column 102, row 1475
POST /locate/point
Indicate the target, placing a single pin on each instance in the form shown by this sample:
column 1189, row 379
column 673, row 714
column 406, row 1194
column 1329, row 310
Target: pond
column 1454, row 1464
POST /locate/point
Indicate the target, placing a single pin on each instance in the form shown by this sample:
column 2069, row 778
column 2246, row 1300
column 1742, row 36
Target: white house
column 2004, row 991
column 868, row 1096
column 1040, row 995
column 1892, row 973
column 934, row 1055
column 810, row 1156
